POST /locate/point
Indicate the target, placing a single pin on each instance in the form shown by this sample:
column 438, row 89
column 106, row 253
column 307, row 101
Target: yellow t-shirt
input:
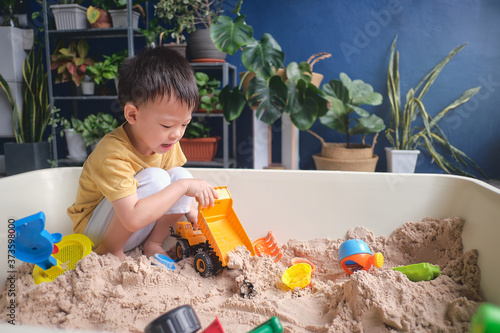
column 109, row 172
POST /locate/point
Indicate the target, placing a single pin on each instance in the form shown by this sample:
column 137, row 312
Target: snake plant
column 403, row 134
column 30, row 122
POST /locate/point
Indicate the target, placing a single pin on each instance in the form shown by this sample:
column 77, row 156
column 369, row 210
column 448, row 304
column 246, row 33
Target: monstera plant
column 268, row 94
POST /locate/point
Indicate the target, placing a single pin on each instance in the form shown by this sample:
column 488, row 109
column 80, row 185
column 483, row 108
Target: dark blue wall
column 359, row 35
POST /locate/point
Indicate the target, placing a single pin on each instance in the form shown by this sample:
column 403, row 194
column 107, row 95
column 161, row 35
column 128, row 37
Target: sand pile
column 106, row 294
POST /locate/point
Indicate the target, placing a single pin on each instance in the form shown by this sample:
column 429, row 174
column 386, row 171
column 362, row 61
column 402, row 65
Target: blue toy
column 52, row 254
column 34, row 244
column 355, row 255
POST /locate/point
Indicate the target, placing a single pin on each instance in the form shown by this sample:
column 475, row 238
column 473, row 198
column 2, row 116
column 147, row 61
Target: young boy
column 132, row 187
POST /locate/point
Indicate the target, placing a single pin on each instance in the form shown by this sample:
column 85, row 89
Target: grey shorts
column 151, row 180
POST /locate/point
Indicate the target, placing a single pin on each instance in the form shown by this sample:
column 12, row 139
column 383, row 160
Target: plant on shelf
column 197, row 144
column 119, row 14
column 208, row 89
column 197, row 129
column 98, row 15
column 70, row 130
column 95, row 126
column 105, row 70
column 345, row 115
column 267, row 92
column 151, row 35
column 71, row 62
column 177, row 14
column 404, row 134
column 31, row 120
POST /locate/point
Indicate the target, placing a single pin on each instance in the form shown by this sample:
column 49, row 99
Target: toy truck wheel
column 203, row 264
column 182, row 249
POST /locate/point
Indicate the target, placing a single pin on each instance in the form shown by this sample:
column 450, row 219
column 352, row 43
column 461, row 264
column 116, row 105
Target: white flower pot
column 76, row 146
column 70, row 17
column 401, row 161
column 88, row 88
column 119, row 18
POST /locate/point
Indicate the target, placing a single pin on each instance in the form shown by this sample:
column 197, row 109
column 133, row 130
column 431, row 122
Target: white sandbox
column 301, row 205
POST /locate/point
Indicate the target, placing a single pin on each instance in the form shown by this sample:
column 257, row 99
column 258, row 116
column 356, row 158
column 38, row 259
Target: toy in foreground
column 220, row 232
column 486, row 319
column 183, row 319
column 52, row 254
column 355, row 255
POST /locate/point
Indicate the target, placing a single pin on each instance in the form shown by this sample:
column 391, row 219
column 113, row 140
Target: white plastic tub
column 301, row 205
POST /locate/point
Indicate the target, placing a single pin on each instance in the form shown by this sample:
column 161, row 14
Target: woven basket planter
column 200, row 149
column 366, row 165
column 336, row 156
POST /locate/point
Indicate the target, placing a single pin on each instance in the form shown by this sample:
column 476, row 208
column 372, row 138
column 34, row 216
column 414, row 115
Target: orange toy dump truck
column 220, row 232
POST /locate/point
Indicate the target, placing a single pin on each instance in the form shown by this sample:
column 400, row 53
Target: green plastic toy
column 486, row 319
column 273, row 325
column 419, row 272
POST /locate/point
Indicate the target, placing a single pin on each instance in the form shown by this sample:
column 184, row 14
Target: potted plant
column 200, row 47
column 77, row 150
column 208, row 89
column 406, row 136
column 119, row 14
column 69, row 15
column 88, row 83
column 99, row 16
column 267, row 93
column 71, row 62
column 29, row 152
column 179, row 15
column 102, row 71
column 95, row 126
column 151, row 35
column 345, row 115
column 197, row 144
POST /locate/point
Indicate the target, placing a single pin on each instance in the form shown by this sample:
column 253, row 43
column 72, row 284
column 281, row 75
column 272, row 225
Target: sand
column 103, row 293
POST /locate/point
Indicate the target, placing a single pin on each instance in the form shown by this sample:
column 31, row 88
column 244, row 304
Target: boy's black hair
column 155, row 73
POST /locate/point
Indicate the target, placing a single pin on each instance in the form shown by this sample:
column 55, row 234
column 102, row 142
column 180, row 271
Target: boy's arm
column 135, row 214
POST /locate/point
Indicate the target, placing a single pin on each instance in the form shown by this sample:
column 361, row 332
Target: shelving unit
column 227, row 71
column 129, row 32
column 228, row 77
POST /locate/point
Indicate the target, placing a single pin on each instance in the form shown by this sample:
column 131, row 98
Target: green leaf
column 336, row 117
column 368, row 125
column 229, row 36
column 92, row 14
column 263, row 57
column 269, row 100
column 232, row 101
column 336, row 88
column 302, row 104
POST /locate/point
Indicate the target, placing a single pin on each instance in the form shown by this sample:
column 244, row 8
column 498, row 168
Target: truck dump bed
column 222, row 227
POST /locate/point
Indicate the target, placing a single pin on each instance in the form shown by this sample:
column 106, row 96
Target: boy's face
column 157, row 126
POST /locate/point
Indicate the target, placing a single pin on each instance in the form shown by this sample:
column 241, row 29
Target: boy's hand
column 202, row 191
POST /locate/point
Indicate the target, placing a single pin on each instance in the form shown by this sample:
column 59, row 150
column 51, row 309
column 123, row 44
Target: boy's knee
column 179, row 173
column 155, row 179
